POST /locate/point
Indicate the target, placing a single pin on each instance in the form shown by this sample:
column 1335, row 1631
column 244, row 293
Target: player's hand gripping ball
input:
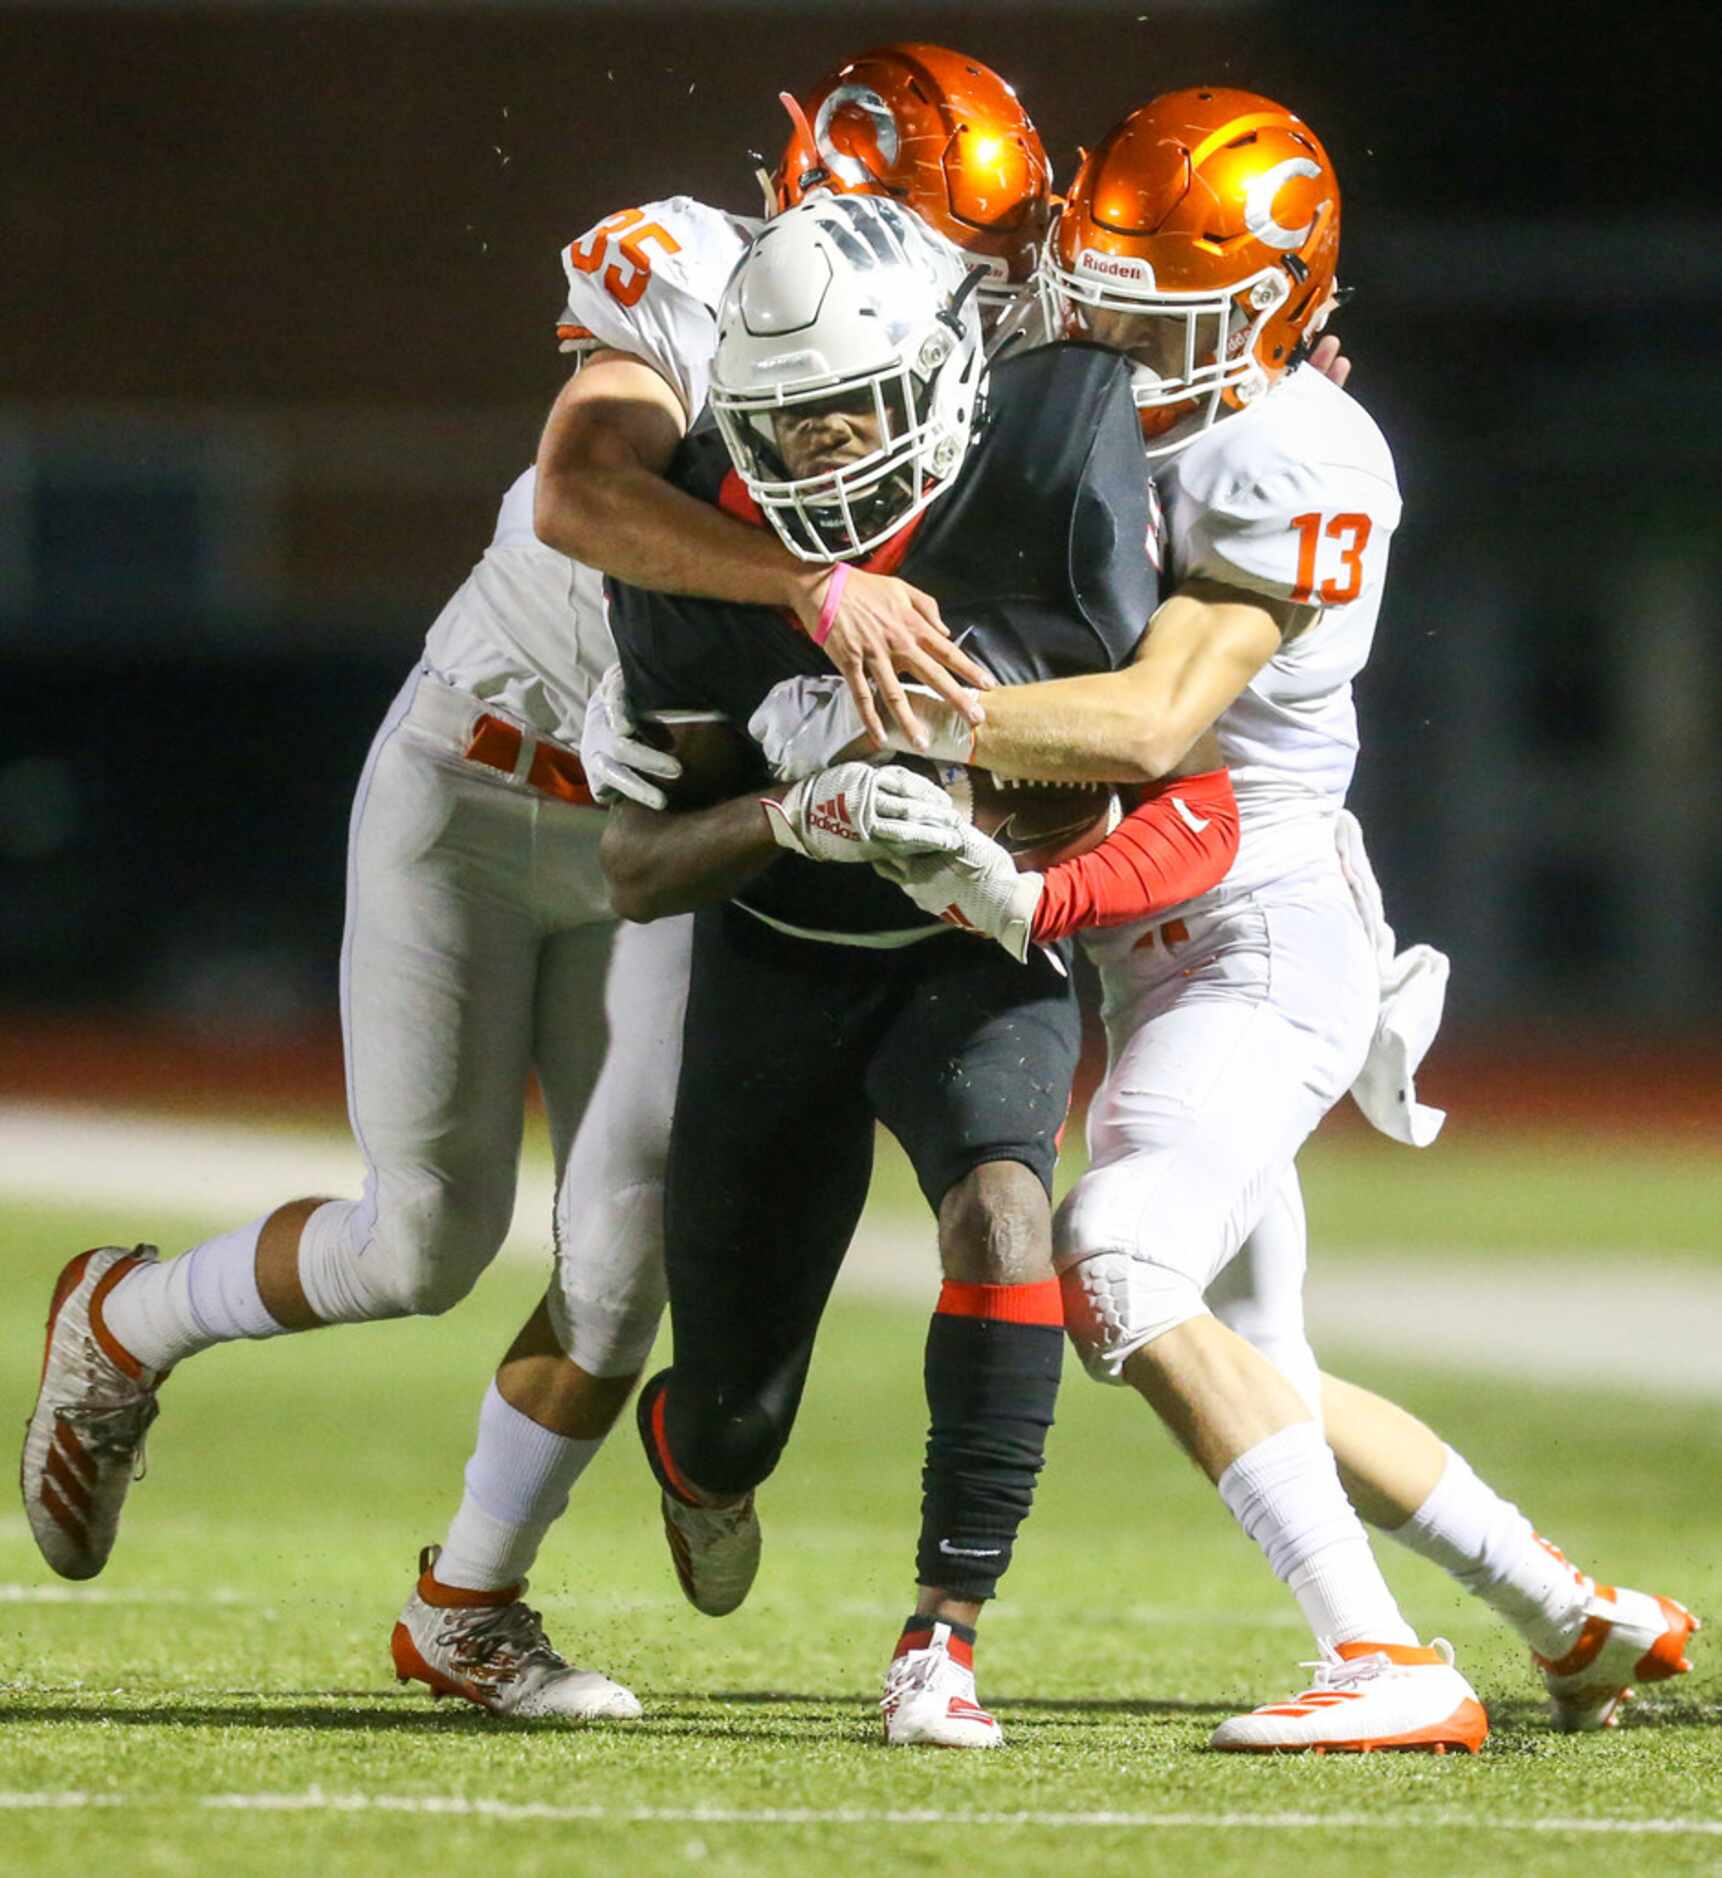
column 864, row 812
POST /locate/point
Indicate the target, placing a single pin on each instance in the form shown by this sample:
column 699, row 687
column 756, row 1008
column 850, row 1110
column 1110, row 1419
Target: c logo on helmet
column 1259, row 204
column 846, row 168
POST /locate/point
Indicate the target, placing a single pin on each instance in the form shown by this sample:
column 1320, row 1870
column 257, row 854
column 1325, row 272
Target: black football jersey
column 1038, row 557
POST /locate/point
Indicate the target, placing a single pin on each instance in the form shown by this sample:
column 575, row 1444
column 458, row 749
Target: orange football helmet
column 1201, row 237
column 944, row 136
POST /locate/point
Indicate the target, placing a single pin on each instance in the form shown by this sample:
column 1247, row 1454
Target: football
column 1038, row 823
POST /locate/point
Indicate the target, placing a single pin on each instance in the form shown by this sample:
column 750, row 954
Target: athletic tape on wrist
column 833, row 599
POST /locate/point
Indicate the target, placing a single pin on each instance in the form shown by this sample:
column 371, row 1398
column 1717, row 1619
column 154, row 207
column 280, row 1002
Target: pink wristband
column 833, row 599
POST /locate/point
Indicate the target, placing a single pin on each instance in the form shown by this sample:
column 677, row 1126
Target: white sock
column 1488, row 1545
column 164, row 1313
column 1286, row 1495
column 517, row 1486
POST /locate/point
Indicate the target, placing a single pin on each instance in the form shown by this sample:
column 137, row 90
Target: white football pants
column 1226, row 1047
column 480, row 944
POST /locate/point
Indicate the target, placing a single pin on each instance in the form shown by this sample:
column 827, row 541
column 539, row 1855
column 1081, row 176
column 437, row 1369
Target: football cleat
column 84, row 1442
column 715, row 1550
column 1366, row 1698
column 930, row 1694
column 1628, row 1637
column 491, row 1650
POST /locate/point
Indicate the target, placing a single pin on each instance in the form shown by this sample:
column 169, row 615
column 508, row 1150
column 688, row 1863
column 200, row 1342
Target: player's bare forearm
column 624, row 519
column 659, row 863
column 1140, row 724
column 602, row 498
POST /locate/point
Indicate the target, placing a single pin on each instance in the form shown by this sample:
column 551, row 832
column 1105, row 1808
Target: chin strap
column 951, row 316
column 1341, row 296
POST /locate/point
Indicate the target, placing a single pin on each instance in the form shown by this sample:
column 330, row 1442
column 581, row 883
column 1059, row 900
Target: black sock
column 991, row 1388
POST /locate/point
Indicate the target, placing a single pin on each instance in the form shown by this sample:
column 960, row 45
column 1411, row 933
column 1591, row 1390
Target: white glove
column 618, row 766
column 1413, row 992
column 862, row 812
column 977, row 888
column 805, row 723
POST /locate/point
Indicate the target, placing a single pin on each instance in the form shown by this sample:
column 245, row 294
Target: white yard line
column 534, row 1812
column 100, row 1594
column 1613, row 1322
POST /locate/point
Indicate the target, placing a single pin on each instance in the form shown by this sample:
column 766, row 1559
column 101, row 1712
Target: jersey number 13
column 1332, row 592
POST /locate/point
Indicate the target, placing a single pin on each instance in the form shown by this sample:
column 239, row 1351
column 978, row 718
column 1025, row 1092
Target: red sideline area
column 1529, row 1080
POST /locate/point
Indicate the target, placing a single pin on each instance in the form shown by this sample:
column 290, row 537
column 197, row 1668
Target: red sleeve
column 1177, row 843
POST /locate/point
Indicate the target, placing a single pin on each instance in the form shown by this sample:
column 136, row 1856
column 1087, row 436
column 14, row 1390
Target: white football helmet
column 849, row 371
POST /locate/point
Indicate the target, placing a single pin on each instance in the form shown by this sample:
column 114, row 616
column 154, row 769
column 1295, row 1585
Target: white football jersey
column 526, row 629
column 1295, row 498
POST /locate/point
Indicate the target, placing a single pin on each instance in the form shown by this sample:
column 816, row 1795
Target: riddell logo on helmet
column 1114, row 267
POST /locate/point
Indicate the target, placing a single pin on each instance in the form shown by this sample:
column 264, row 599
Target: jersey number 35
column 628, row 232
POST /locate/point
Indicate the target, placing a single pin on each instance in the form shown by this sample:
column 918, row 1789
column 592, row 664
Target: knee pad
column 1116, row 1303
column 436, row 1254
column 607, row 1299
column 428, row 1247
column 724, row 1449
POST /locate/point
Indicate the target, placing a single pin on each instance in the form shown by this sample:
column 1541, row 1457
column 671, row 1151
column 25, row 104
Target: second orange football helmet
column 941, row 134
column 1201, row 236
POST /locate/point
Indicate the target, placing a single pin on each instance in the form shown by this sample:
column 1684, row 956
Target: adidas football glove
column 862, row 812
column 977, row 888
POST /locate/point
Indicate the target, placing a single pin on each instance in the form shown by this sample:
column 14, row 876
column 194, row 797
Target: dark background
column 280, row 285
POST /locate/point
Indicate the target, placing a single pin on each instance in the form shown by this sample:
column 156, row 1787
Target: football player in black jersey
column 849, row 390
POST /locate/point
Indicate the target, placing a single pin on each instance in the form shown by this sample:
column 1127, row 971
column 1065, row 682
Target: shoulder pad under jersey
column 647, row 281
column 1295, row 499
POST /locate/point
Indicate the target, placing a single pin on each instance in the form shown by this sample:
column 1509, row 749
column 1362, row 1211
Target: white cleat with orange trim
column 1368, row 1698
column 490, row 1649
column 1628, row 1637
column 84, row 1442
column 930, row 1694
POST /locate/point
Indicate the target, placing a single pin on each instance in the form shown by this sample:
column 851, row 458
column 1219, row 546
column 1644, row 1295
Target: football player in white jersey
column 1276, row 484
column 1201, row 237
column 481, row 942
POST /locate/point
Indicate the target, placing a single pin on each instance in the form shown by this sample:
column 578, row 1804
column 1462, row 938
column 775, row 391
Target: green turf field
column 224, row 1697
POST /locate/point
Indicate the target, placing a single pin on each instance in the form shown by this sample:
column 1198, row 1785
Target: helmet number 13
column 629, row 232
column 1332, row 592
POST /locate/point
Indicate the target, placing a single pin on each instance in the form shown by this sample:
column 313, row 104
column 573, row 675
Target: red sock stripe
column 660, row 1442
column 1005, row 1304
column 960, row 1652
